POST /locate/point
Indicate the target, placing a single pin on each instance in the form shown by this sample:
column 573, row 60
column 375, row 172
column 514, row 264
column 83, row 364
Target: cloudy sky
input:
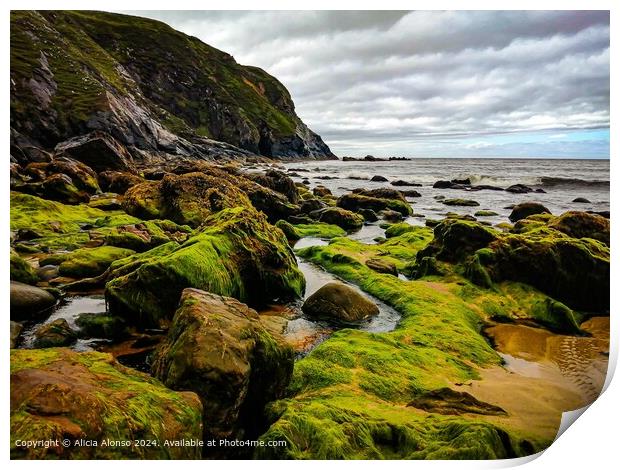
column 477, row 83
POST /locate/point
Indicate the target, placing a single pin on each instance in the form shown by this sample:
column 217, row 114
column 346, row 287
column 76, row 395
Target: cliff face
column 155, row 90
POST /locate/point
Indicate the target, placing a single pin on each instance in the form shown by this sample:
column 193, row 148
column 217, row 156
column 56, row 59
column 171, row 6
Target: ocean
column 562, row 181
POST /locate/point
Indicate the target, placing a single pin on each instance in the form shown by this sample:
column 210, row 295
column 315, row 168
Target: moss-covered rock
column 356, row 201
column 218, row 348
column 396, row 230
column 21, row 270
column 60, row 394
column 582, row 225
column 342, row 218
column 147, row 235
column 460, row 202
column 277, row 181
column 340, row 303
column 86, row 262
column 573, row 271
column 525, row 209
column 118, row 181
column 319, row 230
column 185, row 199
column 456, row 239
column 54, row 334
column 485, row 213
column 236, row 253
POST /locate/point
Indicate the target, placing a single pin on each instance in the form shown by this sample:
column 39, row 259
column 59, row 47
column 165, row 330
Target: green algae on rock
column 319, row 230
column 21, row 270
column 60, row 394
column 355, row 202
column 236, row 253
column 218, row 348
column 86, row 262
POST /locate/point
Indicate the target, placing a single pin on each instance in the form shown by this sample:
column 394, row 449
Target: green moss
column 106, row 401
column 395, row 230
column 319, row 230
column 459, row 202
column 86, row 262
column 485, row 213
column 21, row 270
column 236, row 254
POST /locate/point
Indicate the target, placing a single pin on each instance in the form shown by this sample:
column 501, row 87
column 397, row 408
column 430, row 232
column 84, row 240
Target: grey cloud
column 375, row 77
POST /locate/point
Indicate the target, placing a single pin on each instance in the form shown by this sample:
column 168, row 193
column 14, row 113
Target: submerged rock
column 379, row 178
column 581, row 200
column 236, row 253
column 340, row 303
column 54, row 334
column 61, row 394
column 525, row 209
column 218, row 348
column 29, row 302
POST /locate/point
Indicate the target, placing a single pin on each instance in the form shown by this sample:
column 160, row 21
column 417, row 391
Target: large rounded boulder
column 338, row 302
column 218, row 348
column 29, row 302
column 583, row 225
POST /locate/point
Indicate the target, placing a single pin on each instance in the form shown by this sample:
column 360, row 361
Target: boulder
column 391, row 216
column 98, row 150
column 277, row 181
column 573, row 271
column 311, row 205
column 59, row 394
column 519, row 189
column 118, row 181
column 460, row 202
column 321, row 191
column 455, row 239
column 186, row 199
column 355, row 202
column 218, row 348
column 29, row 302
column 583, row 225
column 404, row 183
column 582, row 200
column 236, row 253
column 381, row 193
column 410, row 193
column 343, row 218
column 84, row 177
column 54, row 334
column 525, row 209
column 59, row 187
column 379, row 179
column 340, row 303
column 369, row 215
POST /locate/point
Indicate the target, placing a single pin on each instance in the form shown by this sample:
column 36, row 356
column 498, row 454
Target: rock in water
column 61, row 394
column 525, row 209
column 581, row 200
column 236, row 253
column 29, row 302
column 218, row 348
column 338, row 302
column 54, row 334
column 343, row 218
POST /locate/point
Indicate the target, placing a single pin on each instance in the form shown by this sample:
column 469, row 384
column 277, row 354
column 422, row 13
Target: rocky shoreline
column 202, row 290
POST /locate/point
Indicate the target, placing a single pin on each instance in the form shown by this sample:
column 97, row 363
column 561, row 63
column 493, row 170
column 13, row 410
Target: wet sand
column 544, row 374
